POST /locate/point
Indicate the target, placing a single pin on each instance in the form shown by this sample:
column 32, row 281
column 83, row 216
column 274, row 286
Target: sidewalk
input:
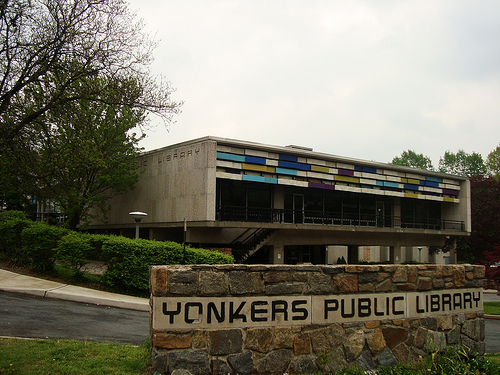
column 13, row 282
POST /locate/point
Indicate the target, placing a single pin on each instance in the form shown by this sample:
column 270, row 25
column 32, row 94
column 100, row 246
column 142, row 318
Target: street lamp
column 137, row 217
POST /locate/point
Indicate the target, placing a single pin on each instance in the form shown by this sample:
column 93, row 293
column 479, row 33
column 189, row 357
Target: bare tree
column 46, row 46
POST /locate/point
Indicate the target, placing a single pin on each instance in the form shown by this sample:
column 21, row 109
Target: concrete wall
column 176, row 183
column 303, row 319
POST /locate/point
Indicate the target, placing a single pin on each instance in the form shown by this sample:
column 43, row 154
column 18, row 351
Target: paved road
column 24, row 315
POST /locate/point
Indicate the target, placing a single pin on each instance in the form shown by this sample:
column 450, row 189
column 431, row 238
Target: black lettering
column 171, row 314
column 446, row 301
column 236, row 314
column 387, row 305
column 467, row 300
column 377, row 313
column 394, row 311
column 296, row 309
column 328, row 308
column 364, row 307
column 342, row 309
column 457, row 302
column 435, row 303
column 419, row 310
column 254, row 310
column 190, row 152
column 476, row 299
column 213, row 309
column 187, row 306
column 275, row 309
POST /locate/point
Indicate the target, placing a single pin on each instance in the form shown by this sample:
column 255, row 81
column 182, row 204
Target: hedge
column 128, row 260
column 40, row 245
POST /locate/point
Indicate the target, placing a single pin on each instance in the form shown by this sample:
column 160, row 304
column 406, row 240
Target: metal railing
column 274, row 215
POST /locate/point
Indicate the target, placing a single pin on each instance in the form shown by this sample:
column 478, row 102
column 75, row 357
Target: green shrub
column 12, row 224
column 75, row 249
column 128, row 261
column 40, row 242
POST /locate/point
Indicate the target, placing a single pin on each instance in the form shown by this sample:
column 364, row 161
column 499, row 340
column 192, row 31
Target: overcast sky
column 363, row 79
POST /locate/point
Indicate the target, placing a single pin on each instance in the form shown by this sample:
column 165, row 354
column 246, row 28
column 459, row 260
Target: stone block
column 172, row 341
column 303, row 365
column 241, row 282
column 200, row 339
column 354, row 344
column 401, row 275
column 158, row 281
column 284, row 289
column 259, row 339
column 283, row 338
column 346, row 283
column 213, row 283
column 479, row 272
column 384, row 286
column 376, row 341
column 435, row 341
column 332, row 361
column 276, row 361
column 445, row 322
column 365, row 361
column 459, row 276
column 386, row 358
column 302, row 344
column 328, row 338
column 474, row 328
column 194, row 361
column 220, row 367
column 224, row 342
column 424, row 283
column 394, row 336
column 182, row 282
column 242, row 363
column 319, row 283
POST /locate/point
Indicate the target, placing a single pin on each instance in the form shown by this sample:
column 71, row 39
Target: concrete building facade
column 289, row 205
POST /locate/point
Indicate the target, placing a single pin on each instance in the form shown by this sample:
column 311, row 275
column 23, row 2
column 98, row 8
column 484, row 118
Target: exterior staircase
column 249, row 242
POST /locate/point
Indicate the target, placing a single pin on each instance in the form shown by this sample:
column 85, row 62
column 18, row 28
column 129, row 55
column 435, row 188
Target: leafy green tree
column 462, row 164
column 412, row 159
column 493, row 163
column 81, row 155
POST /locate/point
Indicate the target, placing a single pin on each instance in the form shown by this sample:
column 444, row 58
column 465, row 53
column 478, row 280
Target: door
column 298, row 208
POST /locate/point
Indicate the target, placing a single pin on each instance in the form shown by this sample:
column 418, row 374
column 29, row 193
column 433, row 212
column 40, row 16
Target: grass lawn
column 492, row 308
column 67, row 357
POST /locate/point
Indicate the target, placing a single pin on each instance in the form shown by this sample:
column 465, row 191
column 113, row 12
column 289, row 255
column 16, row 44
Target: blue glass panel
column 255, row 160
column 289, row 157
column 292, row 165
column 290, row 172
column 231, row 157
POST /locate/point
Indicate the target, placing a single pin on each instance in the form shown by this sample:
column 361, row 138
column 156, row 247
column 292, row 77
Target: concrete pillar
column 396, row 255
column 397, row 213
column 278, row 254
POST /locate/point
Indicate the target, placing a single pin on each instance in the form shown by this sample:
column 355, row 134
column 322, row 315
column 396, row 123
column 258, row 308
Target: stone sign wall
column 300, row 319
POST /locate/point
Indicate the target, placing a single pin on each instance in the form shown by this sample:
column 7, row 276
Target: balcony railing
column 274, row 215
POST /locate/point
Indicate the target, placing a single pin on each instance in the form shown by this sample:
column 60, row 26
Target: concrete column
column 396, row 255
column 397, row 213
column 278, row 254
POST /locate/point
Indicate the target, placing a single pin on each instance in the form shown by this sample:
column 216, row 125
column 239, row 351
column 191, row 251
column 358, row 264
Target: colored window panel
column 411, row 187
column 358, row 168
column 447, row 199
column 411, row 195
column 369, row 170
column 317, row 168
column 431, row 183
column 289, row 172
column 258, row 168
column 231, row 157
column 267, row 180
column 450, row 192
column 391, row 184
column 345, row 172
column 347, row 179
column 434, row 179
column 293, row 165
column 289, row 157
column 321, row 186
column 255, row 160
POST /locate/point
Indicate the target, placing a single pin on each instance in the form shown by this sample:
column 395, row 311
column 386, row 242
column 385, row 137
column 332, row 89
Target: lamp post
column 137, row 217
